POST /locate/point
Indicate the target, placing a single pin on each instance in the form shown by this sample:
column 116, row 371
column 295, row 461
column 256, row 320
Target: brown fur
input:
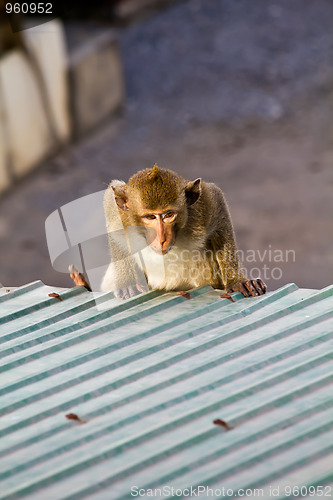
column 202, row 225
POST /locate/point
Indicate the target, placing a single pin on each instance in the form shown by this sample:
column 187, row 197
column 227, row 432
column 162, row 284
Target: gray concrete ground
column 238, row 92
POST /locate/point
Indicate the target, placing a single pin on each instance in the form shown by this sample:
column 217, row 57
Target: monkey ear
column 120, row 195
column 192, row 191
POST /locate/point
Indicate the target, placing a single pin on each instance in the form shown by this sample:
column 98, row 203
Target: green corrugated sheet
column 149, row 376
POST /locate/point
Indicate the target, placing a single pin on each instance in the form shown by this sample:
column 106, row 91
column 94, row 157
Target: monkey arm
column 123, row 276
column 231, row 273
column 225, row 253
column 223, row 242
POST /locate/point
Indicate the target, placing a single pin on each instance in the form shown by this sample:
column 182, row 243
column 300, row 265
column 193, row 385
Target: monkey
column 168, row 233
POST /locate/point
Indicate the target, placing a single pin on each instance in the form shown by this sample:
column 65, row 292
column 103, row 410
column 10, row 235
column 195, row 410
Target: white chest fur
column 179, row 269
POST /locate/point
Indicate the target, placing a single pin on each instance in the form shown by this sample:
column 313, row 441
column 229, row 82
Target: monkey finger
column 142, row 288
column 262, row 285
column 257, row 287
column 251, row 287
column 239, row 287
column 244, row 289
column 118, row 293
column 133, row 291
column 122, row 293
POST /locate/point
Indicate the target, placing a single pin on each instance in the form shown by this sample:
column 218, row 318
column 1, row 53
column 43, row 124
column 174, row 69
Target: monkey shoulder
column 115, row 218
column 212, row 193
column 211, row 210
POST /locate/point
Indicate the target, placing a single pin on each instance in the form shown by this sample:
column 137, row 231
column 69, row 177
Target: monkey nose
column 161, row 245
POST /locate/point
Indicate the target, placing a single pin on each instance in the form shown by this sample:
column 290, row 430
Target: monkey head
column 159, row 200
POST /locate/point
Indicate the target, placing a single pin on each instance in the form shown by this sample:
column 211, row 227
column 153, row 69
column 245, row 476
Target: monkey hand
column 249, row 288
column 124, row 278
column 130, row 291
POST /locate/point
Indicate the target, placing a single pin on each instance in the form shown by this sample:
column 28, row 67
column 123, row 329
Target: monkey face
column 158, row 200
column 160, row 230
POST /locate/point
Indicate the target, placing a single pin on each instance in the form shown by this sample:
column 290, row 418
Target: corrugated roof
column 148, row 377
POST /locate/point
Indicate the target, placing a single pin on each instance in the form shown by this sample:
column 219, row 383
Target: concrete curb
column 49, row 94
column 96, row 82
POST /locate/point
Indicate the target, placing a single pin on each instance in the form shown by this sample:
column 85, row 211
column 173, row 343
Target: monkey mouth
column 160, row 250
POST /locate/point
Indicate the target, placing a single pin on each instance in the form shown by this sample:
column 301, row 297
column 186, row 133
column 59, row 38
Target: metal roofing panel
column 148, row 377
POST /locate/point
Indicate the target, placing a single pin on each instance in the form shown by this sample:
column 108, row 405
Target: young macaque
column 169, row 233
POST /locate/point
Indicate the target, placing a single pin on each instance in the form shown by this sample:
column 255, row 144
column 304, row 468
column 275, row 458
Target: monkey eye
column 169, row 216
column 149, row 217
